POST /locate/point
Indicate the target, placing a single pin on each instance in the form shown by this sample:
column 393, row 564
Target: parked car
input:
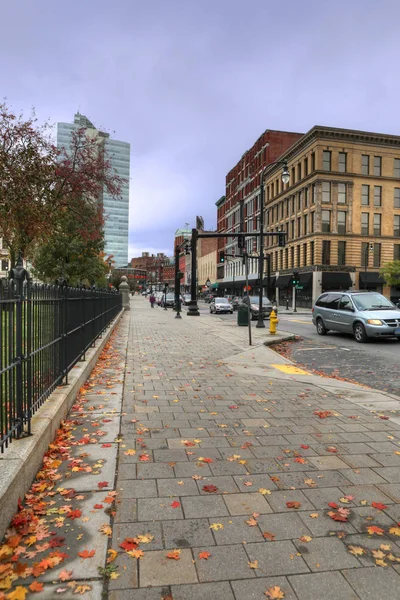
column 221, row 305
column 364, row 314
column 168, row 300
column 208, row 298
column 255, row 306
column 159, row 296
column 186, row 299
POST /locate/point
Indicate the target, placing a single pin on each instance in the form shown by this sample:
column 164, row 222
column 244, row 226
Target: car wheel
column 231, row 312
column 359, row 333
column 210, row 310
column 321, row 329
column 398, row 338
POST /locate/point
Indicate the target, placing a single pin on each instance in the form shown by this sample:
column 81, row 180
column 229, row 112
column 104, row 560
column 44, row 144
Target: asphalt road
column 375, row 364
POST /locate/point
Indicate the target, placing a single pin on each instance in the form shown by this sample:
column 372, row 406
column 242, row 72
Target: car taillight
column 312, row 310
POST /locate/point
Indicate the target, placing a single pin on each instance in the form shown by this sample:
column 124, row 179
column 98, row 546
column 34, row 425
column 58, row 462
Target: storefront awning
column 306, row 279
column 336, row 281
column 272, row 282
column 371, row 279
column 214, row 286
column 283, row 281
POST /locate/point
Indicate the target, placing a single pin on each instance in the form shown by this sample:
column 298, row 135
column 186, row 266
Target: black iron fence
column 44, row 331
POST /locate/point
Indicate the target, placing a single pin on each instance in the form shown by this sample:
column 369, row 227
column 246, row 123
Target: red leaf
column 233, row 407
column 304, row 446
column 102, row 484
column 175, row 504
column 129, row 544
column 106, row 445
column 211, row 489
column 323, row 414
column 87, row 553
column 379, row 505
column 337, row 516
column 206, row 460
column 293, row 504
column 374, row 529
column 98, row 506
column 204, row 555
column 144, row 457
column 333, row 505
column 74, row 514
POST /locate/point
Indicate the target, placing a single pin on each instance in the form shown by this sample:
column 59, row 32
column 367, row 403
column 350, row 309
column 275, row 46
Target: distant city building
column 159, row 268
column 116, row 211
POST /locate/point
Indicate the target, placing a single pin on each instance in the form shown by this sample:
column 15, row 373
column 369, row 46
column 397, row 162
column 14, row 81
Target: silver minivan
column 364, row 314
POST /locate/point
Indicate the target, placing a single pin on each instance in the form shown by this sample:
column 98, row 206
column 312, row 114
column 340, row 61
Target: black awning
column 336, row 281
column 371, row 278
column 305, row 279
column 272, row 281
column 283, row 281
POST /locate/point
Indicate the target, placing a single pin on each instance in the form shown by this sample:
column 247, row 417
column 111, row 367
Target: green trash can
column 243, row 315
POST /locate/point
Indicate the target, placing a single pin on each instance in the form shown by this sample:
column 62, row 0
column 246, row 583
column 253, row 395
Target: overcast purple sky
column 192, row 84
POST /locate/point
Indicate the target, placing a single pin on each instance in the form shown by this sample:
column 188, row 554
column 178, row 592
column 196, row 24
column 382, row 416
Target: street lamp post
column 285, row 179
column 368, row 248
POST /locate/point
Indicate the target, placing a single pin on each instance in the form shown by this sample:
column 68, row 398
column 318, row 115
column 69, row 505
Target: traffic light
column 241, row 242
column 187, row 249
column 281, row 239
column 295, row 278
column 222, row 256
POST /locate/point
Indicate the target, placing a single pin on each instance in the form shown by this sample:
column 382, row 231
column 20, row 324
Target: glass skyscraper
column 116, row 210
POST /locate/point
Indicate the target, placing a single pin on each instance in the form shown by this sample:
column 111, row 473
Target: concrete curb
column 283, row 338
column 23, row 458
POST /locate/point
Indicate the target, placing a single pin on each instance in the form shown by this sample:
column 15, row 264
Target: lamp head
column 285, row 174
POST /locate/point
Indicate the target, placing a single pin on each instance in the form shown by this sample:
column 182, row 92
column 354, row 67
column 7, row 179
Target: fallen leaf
column 174, row 554
column 264, row 491
column 337, row 516
column 145, row 539
column 275, row 593
column 253, row 565
column 175, row 504
column 102, row 484
column 211, row 489
column 136, row 553
column 323, row 414
column 197, row 477
column 106, row 529
column 144, row 457
column 394, row 531
column 373, row 529
column 216, row 526
column 293, row 504
column 204, row 555
column 87, row 553
column 36, row 586
column 379, row 505
column 251, row 522
column 310, row 482
column 332, row 505
column 305, row 538
column 269, row 536
column 65, row 575
column 314, row 515
column 82, row 589
column 206, row 460
column 304, row 446
column 356, row 550
column 18, row 594
column 112, row 555
column 130, row 452
column 129, row 543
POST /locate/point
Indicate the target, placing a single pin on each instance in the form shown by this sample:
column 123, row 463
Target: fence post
column 19, row 274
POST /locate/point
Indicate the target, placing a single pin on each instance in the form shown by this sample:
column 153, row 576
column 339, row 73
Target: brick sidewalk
column 242, row 468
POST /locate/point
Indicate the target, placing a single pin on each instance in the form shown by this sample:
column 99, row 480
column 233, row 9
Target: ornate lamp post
column 285, row 179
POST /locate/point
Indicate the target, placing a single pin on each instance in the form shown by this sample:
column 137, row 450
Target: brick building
column 157, row 267
column 207, row 249
column 239, row 209
column 340, row 210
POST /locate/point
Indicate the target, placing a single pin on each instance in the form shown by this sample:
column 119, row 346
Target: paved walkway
column 192, row 467
column 244, row 483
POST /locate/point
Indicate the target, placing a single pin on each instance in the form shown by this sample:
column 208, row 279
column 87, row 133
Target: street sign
column 299, row 287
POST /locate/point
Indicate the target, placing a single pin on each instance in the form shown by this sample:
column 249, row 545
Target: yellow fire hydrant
column 273, row 322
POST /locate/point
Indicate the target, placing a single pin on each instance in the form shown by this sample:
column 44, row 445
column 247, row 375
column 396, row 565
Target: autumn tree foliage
column 46, row 193
column 391, row 272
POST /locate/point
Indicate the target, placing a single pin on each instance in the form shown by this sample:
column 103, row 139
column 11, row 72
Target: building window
column 342, row 162
column 364, row 254
column 314, row 193
column 305, row 224
column 313, row 162
column 377, row 255
column 377, row 195
column 292, row 256
column 326, row 221
column 365, row 164
column 299, row 227
column 377, row 166
column 299, row 201
column 326, row 191
column 299, row 172
column 377, row 224
column 292, row 230
column 341, row 227
column 305, row 196
column 312, row 253
column 341, row 253
column 396, row 169
column 396, row 229
column 342, row 193
column 286, row 258
column 365, row 195
column 364, row 223
column 396, row 252
column 396, row 198
column 306, row 166
column 326, row 160
column 298, row 256
column 326, row 252
column 312, row 224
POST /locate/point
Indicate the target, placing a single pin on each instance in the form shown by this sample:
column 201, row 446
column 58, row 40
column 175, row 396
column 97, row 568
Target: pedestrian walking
column 152, row 300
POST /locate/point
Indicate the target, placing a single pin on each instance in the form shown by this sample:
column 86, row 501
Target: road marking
column 324, row 348
column 347, row 349
column 299, row 321
column 290, row 370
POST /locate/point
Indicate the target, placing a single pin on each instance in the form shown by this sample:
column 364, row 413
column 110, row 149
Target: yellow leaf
column 145, row 539
column 253, row 565
column 114, row 575
column 136, row 553
column 395, row 531
column 314, row 515
column 112, row 555
column 305, row 538
column 130, row 452
column 344, row 500
column 356, row 550
column 18, row 594
column 275, row 593
column 82, row 589
column 216, row 526
column 263, row 491
column 106, row 529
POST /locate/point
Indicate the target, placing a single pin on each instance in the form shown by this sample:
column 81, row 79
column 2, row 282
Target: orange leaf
column 269, row 536
column 204, row 555
column 211, row 489
column 251, row 522
column 87, row 553
column 144, row 457
column 373, row 529
column 300, row 460
column 206, row 460
column 275, row 593
column 18, row 594
column 379, row 505
column 36, row 586
column 174, row 554
column 293, row 504
column 129, row 543
column 65, row 575
column 323, row 414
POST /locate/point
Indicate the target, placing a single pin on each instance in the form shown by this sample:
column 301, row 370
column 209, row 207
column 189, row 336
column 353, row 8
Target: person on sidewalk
column 152, row 300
